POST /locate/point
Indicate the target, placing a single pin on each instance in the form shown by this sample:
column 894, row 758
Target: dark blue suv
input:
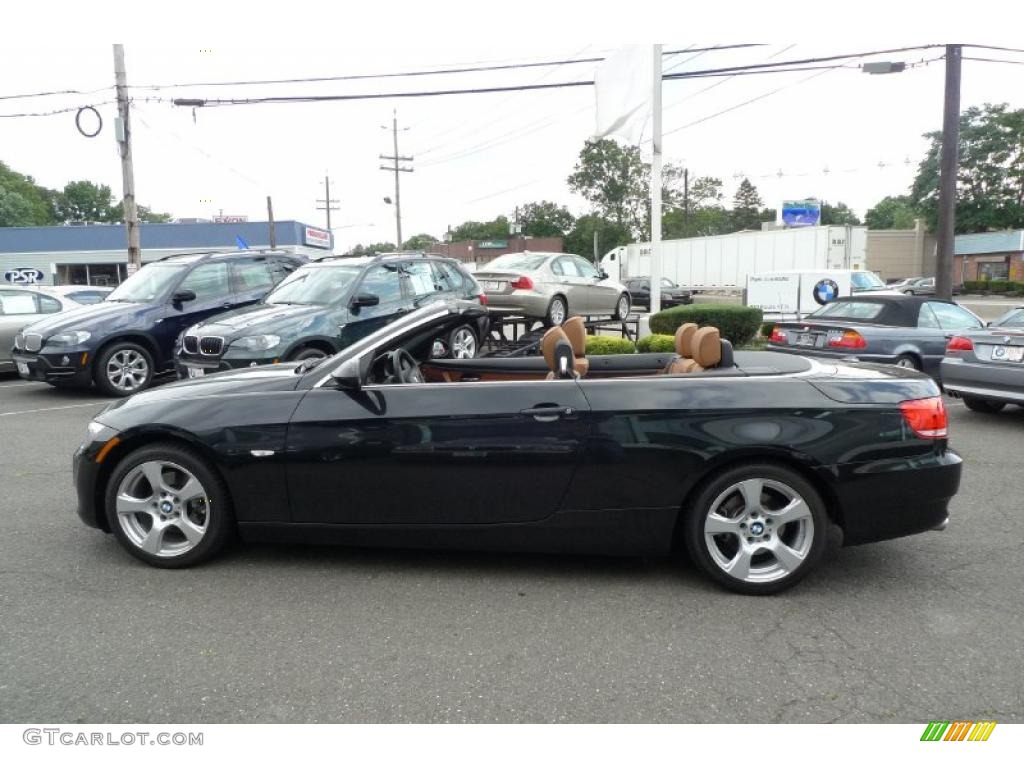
column 121, row 343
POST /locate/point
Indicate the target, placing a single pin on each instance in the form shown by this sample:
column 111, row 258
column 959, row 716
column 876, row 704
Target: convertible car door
column 483, row 452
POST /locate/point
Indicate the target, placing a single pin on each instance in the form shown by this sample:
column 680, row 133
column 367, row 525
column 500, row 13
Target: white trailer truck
column 724, row 262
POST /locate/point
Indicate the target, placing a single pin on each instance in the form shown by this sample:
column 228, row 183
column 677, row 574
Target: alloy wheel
column 623, row 310
column 906, row 362
column 557, row 311
column 463, row 344
column 127, row 370
column 162, row 508
column 759, row 530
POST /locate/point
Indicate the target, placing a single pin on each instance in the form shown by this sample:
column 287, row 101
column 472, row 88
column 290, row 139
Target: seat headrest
column 684, row 338
column 706, row 347
column 576, row 331
column 548, row 342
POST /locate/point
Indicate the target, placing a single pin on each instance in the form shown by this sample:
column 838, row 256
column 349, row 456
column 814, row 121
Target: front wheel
column 123, row 368
column 307, row 353
column 983, row 406
column 621, row 308
column 462, row 343
column 757, row 529
column 167, row 508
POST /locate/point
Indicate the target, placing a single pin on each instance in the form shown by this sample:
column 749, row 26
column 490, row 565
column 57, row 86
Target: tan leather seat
column 576, row 331
column 684, row 343
column 553, row 339
column 706, row 347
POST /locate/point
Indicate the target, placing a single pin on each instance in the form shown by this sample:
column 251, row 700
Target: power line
column 994, row 48
column 993, row 61
column 60, row 111
column 429, row 72
column 69, row 92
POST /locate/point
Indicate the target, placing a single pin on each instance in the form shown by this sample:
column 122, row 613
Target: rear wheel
column 558, row 310
column 167, row 508
column 983, row 406
column 908, row 361
column 757, row 529
column 123, row 368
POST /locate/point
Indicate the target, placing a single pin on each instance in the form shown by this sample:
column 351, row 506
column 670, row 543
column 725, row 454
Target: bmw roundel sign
column 825, row 291
column 24, row 276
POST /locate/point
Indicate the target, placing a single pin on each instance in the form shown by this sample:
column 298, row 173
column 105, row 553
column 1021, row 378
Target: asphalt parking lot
column 918, row 629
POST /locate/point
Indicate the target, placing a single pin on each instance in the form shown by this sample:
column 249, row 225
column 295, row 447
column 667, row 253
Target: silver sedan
column 22, row 306
column 551, row 287
column 986, row 367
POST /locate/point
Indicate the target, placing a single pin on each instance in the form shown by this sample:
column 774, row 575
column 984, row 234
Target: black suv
column 122, row 342
column 328, row 304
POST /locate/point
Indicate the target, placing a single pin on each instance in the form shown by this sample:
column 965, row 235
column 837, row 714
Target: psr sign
column 24, row 276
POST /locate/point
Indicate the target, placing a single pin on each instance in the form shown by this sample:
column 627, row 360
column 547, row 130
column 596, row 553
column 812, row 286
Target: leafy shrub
column 974, row 286
column 609, row 345
column 766, row 329
column 657, row 342
column 737, row 324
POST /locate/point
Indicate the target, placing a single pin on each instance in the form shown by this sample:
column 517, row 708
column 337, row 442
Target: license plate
column 805, row 339
column 23, row 369
column 1009, row 354
column 195, row 373
column 492, row 285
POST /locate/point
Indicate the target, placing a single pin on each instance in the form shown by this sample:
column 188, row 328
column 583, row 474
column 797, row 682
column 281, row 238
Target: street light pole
column 948, row 164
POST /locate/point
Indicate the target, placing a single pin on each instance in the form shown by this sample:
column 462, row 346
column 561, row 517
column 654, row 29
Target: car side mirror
column 348, row 375
column 180, row 297
column 603, row 275
column 364, row 300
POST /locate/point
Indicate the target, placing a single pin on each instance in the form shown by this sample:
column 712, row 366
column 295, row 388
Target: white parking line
column 55, row 408
column 19, row 384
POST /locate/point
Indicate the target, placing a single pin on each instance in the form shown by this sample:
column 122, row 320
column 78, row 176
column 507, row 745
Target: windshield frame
column 182, row 270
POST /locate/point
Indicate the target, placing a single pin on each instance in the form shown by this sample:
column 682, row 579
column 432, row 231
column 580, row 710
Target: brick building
column 479, row 252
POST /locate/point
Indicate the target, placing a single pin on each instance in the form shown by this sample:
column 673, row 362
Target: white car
column 21, row 306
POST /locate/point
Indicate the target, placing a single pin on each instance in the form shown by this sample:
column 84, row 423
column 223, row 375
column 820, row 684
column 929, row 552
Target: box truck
column 724, row 262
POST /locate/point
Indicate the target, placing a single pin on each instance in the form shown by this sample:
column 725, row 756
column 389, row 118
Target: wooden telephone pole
column 396, row 169
column 947, row 175
column 124, row 141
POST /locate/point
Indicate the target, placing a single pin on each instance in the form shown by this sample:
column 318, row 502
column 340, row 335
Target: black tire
column 462, row 340
column 219, row 518
column 617, row 314
column 101, row 369
column 549, row 317
column 306, row 353
column 983, row 406
column 908, row 293
column 795, row 535
column 909, row 361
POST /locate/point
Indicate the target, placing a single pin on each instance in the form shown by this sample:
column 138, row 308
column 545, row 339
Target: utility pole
column 686, row 202
column 396, row 169
column 124, row 140
column 655, row 295
column 270, row 223
column 328, row 201
column 947, row 175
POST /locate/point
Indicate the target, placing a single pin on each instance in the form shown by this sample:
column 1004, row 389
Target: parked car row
column 199, row 312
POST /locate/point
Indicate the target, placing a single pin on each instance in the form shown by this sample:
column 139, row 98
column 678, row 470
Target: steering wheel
column 403, row 368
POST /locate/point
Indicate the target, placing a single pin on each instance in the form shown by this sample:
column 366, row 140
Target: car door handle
column 548, row 412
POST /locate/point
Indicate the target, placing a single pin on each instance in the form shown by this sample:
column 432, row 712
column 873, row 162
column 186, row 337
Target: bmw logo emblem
column 825, row 291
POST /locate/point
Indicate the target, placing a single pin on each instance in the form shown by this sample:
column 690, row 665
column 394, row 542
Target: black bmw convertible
column 745, row 460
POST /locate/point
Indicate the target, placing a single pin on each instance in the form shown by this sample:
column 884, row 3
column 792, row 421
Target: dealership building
column 97, row 254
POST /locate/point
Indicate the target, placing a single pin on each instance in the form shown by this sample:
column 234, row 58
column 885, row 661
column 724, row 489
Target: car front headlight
column 68, row 338
column 257, row 343
column 19, row 341
column 97, row 432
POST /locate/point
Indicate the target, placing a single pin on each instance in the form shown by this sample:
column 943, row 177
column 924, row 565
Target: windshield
column 854, row 310
column 1012, row 319
column 149, row 283
column 315, row 285
column 526, row 261
column 866, row 281
column 666, row 283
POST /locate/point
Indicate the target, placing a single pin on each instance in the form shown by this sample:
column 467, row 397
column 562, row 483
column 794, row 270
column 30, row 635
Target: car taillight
column 522, row 283
column 778, row 336
column 848, row 340
column 927, row 417
column 483, row 298
column 960, row 344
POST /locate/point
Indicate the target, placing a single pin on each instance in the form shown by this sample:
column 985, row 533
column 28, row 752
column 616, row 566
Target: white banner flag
column 623, row 85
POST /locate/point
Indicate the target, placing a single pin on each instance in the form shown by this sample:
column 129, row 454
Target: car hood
column 262, row 318
column 83, row 318
column 128, row 411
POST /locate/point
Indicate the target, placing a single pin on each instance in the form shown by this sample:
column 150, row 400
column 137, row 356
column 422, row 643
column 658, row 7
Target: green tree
column 419, row 242
column 86, row 201
column 613, row 179
column 545, row 219
column 990, row 182
column 372, row 248
column 700, row 213
column 146, row 215
column 580, row 239
column 892, row 212
column 838, row 214
column 28, row 204
column 496, row 229
column 746, row 207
